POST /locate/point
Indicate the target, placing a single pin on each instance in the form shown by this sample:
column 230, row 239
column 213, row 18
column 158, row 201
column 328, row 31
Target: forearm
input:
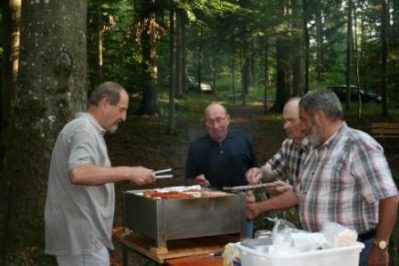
column 268, row 173
column 387, row 217
column 285, row 200
column 91, row 174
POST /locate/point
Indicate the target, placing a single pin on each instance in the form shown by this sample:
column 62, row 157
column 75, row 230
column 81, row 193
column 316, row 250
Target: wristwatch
column 381, row 244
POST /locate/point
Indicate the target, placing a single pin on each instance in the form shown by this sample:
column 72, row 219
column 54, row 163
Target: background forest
column 55, row 52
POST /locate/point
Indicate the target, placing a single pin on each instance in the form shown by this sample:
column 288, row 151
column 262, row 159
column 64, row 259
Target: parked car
column 340, row 90
column 192, row 84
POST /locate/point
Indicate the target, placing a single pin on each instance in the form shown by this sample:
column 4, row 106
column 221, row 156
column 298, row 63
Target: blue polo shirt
column 223, row 164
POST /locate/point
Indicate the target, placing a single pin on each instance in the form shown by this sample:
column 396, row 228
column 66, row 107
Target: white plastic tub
column 342, row 256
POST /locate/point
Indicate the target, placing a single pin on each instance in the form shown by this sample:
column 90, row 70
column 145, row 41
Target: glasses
column 216, row 121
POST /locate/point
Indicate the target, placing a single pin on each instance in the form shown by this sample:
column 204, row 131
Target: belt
column 366, row 236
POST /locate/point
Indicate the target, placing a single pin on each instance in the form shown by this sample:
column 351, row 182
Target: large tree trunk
column 172, row 78
column 282, row 70
column 149, row 102
column 384, row 55
column 11, row 11
column 99, row 42
column 297, row 52
column 180, row 64
column 51, row 87
column 319, row 48
column 307, row 42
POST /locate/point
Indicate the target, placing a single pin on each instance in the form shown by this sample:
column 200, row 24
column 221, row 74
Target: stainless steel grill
column 173, row 219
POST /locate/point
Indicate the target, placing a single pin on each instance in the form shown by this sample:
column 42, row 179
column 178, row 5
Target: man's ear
column 320, row 116
column 103, row 102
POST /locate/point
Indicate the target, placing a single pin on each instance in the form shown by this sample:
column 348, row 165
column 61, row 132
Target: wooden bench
column 384, row 130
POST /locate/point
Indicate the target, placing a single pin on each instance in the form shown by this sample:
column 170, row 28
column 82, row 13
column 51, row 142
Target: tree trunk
column 99, row 42
column 182, row 78
column 172, row 78
column 319, row 48
column 265, row 46
column 348, row 57
column 11, row 11
column 51, row 87
column 307, row 43
column 297, row 54
column 282, row 69
column 149, row 101
column 384, row 55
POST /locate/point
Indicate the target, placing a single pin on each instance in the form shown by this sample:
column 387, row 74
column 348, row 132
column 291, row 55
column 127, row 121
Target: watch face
column 382, row 244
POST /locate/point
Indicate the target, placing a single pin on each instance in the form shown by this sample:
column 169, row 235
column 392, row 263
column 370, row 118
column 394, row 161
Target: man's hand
column 280, row 187
column 378, row 257
column 141, row 175
column 254, row 175
column 252, row 210
column 202, row 181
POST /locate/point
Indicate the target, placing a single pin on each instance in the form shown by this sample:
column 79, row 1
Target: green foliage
column 121, row 52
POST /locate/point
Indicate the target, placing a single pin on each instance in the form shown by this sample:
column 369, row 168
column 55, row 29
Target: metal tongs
column 157, row 173
column 166, row 173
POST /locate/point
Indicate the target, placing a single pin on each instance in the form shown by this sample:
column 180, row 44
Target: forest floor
column 143, row 141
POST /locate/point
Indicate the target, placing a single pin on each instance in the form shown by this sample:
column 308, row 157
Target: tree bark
column 51, row 87
column 11, row 11
column 149, row 101
column 172, row 77
column 282, row 69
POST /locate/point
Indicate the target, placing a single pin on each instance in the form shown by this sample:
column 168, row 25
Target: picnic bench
column 384, row 130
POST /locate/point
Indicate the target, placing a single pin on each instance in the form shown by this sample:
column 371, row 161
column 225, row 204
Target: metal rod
column 163, row 176
column 163, row 171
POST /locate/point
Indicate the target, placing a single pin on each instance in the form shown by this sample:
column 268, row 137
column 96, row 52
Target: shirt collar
column 333, row 138
column 92, row 121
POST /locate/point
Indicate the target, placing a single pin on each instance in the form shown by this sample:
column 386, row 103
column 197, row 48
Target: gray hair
column 109, row 89
column 324, row 100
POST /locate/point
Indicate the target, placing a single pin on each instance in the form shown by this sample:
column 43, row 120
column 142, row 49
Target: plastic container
column 348, row 256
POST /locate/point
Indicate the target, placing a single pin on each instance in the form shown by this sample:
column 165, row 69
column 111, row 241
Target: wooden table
column 196, row 260
column 178, row 252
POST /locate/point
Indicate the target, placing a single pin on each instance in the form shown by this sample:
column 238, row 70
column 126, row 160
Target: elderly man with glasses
column 222, row 156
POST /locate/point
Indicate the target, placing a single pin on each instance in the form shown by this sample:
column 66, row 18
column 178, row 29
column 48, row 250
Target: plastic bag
column 338, row 235
column 280, row 225
column 287, row 239
column 230, row 254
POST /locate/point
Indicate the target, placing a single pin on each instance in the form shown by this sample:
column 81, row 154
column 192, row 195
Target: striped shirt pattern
column 287, row 162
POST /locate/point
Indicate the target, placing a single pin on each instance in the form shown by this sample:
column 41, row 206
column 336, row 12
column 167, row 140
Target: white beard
column 113, row 129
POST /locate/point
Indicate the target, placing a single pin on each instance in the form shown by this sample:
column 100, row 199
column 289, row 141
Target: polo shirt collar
column 92, row 121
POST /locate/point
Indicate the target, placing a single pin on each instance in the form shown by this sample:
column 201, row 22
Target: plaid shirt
column 286, row 163
column 343, row 180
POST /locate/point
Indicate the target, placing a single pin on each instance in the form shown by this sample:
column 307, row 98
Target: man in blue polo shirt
column 222, row 156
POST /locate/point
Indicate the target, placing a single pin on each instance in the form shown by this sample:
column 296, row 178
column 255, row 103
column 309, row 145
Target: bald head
column 291, row 108
column 215, row 107
column 292, row 124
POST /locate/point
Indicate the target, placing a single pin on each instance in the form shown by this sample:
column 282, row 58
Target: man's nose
column 124, row 116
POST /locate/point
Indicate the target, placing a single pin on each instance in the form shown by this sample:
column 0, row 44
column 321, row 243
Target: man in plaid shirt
column 286, row 163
